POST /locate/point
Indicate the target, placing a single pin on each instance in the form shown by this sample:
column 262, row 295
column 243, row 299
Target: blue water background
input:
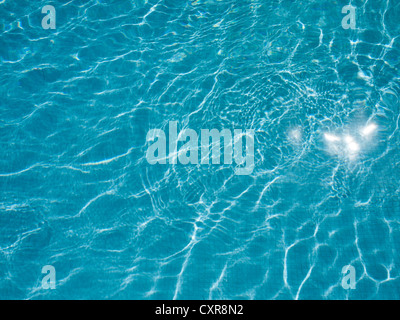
column 77, row 193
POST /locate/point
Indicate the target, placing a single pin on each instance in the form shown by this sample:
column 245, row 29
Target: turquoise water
column 78, row 193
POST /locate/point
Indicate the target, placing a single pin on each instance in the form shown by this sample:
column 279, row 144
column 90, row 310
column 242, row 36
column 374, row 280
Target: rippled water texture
column 77, row 191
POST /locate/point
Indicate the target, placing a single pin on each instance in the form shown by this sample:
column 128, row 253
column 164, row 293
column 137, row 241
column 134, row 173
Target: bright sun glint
column 367, row 130
column 352, row 145
column 331, row 138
